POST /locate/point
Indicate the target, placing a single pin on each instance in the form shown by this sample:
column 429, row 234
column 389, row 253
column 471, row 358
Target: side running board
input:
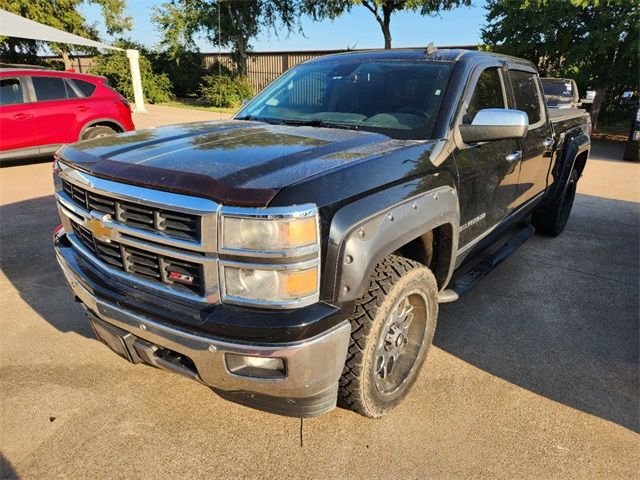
column 467, row 281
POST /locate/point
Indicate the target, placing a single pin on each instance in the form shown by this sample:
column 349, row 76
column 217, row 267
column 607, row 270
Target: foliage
column 225, row 90
column 63, row 15
column 115, row 66
column 595, row 42
column 381, row 9
column 240, row 22
column 184, row 69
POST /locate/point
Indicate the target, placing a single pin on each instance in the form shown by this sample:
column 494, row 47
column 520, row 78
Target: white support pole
column 134, row 65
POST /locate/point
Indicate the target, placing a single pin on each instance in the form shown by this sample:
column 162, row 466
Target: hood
column 235, row 163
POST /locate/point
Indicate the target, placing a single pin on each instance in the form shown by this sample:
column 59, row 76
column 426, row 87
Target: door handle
column 82, row 108
column 22, row 116
column 547, row 142
column 513, row 156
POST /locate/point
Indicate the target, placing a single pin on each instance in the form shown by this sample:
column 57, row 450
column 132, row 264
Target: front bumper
column 313, row 365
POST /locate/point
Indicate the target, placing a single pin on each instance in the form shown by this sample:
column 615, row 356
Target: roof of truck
column 433, row 55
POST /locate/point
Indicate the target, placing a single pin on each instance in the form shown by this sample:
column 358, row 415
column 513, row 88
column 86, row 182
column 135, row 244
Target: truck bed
column 562, row 114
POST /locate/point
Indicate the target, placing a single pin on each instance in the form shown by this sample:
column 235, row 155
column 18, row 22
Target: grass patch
column 195, row 104
column 612, row 132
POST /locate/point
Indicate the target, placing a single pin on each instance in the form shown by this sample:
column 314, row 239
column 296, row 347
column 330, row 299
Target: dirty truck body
column 294, row 257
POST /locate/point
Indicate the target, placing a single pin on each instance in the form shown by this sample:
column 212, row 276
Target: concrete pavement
column 165, row 115
column 534, row 372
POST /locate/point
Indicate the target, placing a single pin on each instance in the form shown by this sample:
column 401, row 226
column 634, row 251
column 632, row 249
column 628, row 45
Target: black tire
column 552, row 219
column 364, row 378
column 631, row 152
column 97, row 132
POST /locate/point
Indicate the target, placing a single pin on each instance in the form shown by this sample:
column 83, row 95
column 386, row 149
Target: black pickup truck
column 294, row 257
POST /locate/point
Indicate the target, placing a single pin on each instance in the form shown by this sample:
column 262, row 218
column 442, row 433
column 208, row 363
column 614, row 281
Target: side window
column 488, row 93
column 49, row 88
column 87, row 88
column 526, row 94
column 10, row 91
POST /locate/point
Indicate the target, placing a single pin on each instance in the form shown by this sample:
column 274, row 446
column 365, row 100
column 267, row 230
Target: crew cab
column 42, row 109
column 294, row 257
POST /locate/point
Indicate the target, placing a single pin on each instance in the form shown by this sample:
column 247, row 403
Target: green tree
column 115, row 66
column 239, row 22
column 382, row 10
column 63, row 15
column 596, row 42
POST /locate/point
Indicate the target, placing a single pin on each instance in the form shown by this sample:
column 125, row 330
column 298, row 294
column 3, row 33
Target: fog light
column 261, row 367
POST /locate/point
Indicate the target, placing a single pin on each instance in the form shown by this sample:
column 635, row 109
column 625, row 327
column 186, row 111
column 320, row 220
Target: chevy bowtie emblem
column 96, row 225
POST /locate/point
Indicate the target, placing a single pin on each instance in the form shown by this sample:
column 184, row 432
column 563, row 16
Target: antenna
column 431, row 48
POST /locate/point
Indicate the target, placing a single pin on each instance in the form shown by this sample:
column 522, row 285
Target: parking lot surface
column 534, row 372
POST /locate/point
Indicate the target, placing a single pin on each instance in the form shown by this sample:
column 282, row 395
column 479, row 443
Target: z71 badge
column 181, row 277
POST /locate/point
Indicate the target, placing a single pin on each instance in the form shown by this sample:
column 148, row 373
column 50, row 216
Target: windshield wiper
column 316, row 122
column 253, row 118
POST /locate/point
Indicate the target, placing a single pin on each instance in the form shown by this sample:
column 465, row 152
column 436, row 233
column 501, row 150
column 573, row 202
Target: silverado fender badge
column 96, row 225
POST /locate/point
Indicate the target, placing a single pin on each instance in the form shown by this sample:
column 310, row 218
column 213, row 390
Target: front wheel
column 552, row 219
column 392, row 329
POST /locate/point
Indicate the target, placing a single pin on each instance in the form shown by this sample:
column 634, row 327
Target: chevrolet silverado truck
column 293, row 258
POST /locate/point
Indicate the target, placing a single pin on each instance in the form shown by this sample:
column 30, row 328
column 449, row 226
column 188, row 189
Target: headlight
column 274, row 286
column 275, row 232
column 270, row 257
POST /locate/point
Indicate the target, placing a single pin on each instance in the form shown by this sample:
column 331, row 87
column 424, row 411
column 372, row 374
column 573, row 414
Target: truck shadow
column 6, row 469
column 559, row 317
column 28, row 261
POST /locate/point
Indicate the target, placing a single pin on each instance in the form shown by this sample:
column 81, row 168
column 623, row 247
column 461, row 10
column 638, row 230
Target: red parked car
column 42, row 109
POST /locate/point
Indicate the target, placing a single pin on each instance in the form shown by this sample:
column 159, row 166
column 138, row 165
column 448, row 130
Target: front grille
column 145, row 264
column 178, row 225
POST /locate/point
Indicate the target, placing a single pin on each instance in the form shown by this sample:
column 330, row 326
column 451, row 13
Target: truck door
column 488, row 171
column 537, row 145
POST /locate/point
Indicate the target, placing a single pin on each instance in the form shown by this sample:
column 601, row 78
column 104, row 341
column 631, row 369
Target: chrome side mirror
column 495, row 124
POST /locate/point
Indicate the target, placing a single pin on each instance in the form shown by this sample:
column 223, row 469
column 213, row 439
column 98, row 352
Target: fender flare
column 364, row 232
column 571, row 151
column 95, row 121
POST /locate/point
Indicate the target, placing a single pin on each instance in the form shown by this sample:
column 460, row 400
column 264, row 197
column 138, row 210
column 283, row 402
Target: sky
column 357, row 29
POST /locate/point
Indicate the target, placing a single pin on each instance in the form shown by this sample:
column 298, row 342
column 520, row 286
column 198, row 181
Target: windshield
column 399, row 99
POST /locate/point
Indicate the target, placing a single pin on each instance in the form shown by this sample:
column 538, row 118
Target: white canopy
column 12, row 25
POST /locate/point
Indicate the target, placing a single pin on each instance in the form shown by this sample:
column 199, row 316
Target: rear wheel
column 97, row 132
column 552, row 219
column 392, row 329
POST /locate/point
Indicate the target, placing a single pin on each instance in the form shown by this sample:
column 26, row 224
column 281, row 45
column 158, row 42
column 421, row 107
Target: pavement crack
column 575, row 270
column 301, row 432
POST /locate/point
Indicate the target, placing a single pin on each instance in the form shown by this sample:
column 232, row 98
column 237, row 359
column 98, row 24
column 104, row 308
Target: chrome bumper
column 313, row 366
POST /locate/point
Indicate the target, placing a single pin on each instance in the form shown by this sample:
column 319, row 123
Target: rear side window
column 488, row 93
column 526, row 94
column 49, row 88
column 52, row 88
column 10, row 91
column 87, row 88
